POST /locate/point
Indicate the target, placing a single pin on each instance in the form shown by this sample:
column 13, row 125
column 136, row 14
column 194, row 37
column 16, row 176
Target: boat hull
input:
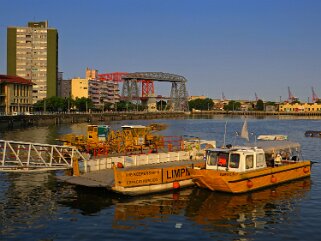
column 140, row 181
column 148, row 189
column 234, row 182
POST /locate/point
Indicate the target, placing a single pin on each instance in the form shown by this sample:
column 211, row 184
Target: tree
column 83, row 104
column 259, row 105
column 108, row 106
column 68, row 104
column 161, row 105
column 201, row 104
column 127, row 106
column 52, row 104
column 232, row 105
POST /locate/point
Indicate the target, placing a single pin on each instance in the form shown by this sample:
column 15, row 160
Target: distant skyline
column 236, row 47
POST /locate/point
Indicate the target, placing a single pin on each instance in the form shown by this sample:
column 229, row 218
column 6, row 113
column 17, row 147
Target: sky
column 235, row 47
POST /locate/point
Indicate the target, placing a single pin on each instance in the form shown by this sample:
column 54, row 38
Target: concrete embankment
column 95, row 118
column 256, row 113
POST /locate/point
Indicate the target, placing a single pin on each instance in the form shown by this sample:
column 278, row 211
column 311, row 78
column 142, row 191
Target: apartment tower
column 32, row 53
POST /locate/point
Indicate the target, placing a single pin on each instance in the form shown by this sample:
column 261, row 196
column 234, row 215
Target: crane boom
column 315, row 97
column 291, row 96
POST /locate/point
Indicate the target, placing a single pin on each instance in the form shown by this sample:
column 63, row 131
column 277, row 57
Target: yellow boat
column 242, row 169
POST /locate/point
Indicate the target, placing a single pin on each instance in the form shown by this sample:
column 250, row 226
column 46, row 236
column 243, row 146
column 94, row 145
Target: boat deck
column 105, row 178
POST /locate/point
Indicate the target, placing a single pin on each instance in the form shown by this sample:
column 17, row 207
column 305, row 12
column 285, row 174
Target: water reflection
column 156, row 208
column 246, row 213
column 26, row 199
column 240, row 215
column 89, row 201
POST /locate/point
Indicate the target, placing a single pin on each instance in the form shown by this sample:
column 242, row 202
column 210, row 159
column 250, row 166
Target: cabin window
column 222, row 159
column 212, row 158
column 249, row 161
column 234, row 161
column 260, row 161
column 216, row 158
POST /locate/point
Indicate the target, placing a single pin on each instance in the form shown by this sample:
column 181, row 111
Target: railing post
column 29, row 155
column 51, row 156
column 4, row 152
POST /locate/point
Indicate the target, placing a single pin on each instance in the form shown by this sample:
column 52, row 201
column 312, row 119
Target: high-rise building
column 32, row 53
column 102, row 92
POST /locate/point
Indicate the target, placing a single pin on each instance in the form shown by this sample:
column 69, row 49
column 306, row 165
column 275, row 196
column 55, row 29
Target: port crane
column 315, row 97
column 291, row 97
column 223, row 96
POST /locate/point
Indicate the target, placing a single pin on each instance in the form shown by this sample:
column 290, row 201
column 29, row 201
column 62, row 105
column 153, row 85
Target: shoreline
column 11, row 122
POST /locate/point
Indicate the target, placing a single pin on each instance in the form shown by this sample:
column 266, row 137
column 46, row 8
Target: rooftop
column 14, row 80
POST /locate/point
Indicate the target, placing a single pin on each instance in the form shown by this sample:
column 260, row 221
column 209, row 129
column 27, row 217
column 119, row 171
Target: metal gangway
column 27, row 156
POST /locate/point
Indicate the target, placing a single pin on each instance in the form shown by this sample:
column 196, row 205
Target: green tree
column 259, row 105
column 39, row 105
column 201, row 104
column 52, row 104
column 161, row 105
column 233, row 105
column 68, row 104
column 83, row 104
column 108, row 106
column 127, row 106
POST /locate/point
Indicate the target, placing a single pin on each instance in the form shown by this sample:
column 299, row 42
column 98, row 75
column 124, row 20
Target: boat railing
column 103, row 163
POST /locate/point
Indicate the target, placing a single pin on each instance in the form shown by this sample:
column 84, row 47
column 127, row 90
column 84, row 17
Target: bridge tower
column 179, row 97
column 130, row 89
column 178, row 100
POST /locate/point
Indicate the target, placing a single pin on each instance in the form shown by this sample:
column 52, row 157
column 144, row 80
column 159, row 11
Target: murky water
column 38, row 207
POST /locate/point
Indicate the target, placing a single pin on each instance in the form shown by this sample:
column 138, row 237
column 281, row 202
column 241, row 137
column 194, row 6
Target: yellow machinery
column 101, row 140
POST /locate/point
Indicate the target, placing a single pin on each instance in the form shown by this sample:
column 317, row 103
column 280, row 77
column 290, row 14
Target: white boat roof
column 133, row 126
column 272, row 137
column 267, row 146
column 272, row 146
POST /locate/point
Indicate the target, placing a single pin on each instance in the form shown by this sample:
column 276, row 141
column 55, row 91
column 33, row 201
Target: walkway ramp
column 18, row 156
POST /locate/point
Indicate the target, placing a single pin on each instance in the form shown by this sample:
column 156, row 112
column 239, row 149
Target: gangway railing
column 28, row 156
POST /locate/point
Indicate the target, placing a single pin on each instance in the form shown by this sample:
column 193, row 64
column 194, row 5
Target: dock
column 106, row 179
column 103, row 178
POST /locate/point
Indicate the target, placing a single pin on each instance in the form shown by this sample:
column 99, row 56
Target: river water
column 38, row 207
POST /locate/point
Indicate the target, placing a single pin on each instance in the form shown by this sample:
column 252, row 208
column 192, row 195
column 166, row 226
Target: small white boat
column 272, row 137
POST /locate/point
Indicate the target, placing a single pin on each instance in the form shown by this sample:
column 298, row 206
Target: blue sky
column 238, row 47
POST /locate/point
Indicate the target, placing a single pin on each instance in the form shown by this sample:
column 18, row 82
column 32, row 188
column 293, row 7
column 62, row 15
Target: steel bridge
column 178, row 97
column 27, row 156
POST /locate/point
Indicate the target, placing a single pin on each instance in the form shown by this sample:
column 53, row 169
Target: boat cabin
column 253, row 157
column 239, row 159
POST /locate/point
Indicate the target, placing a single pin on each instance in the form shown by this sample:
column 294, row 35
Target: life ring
column 249, row 184
column 306, row 170
column 176, row 185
